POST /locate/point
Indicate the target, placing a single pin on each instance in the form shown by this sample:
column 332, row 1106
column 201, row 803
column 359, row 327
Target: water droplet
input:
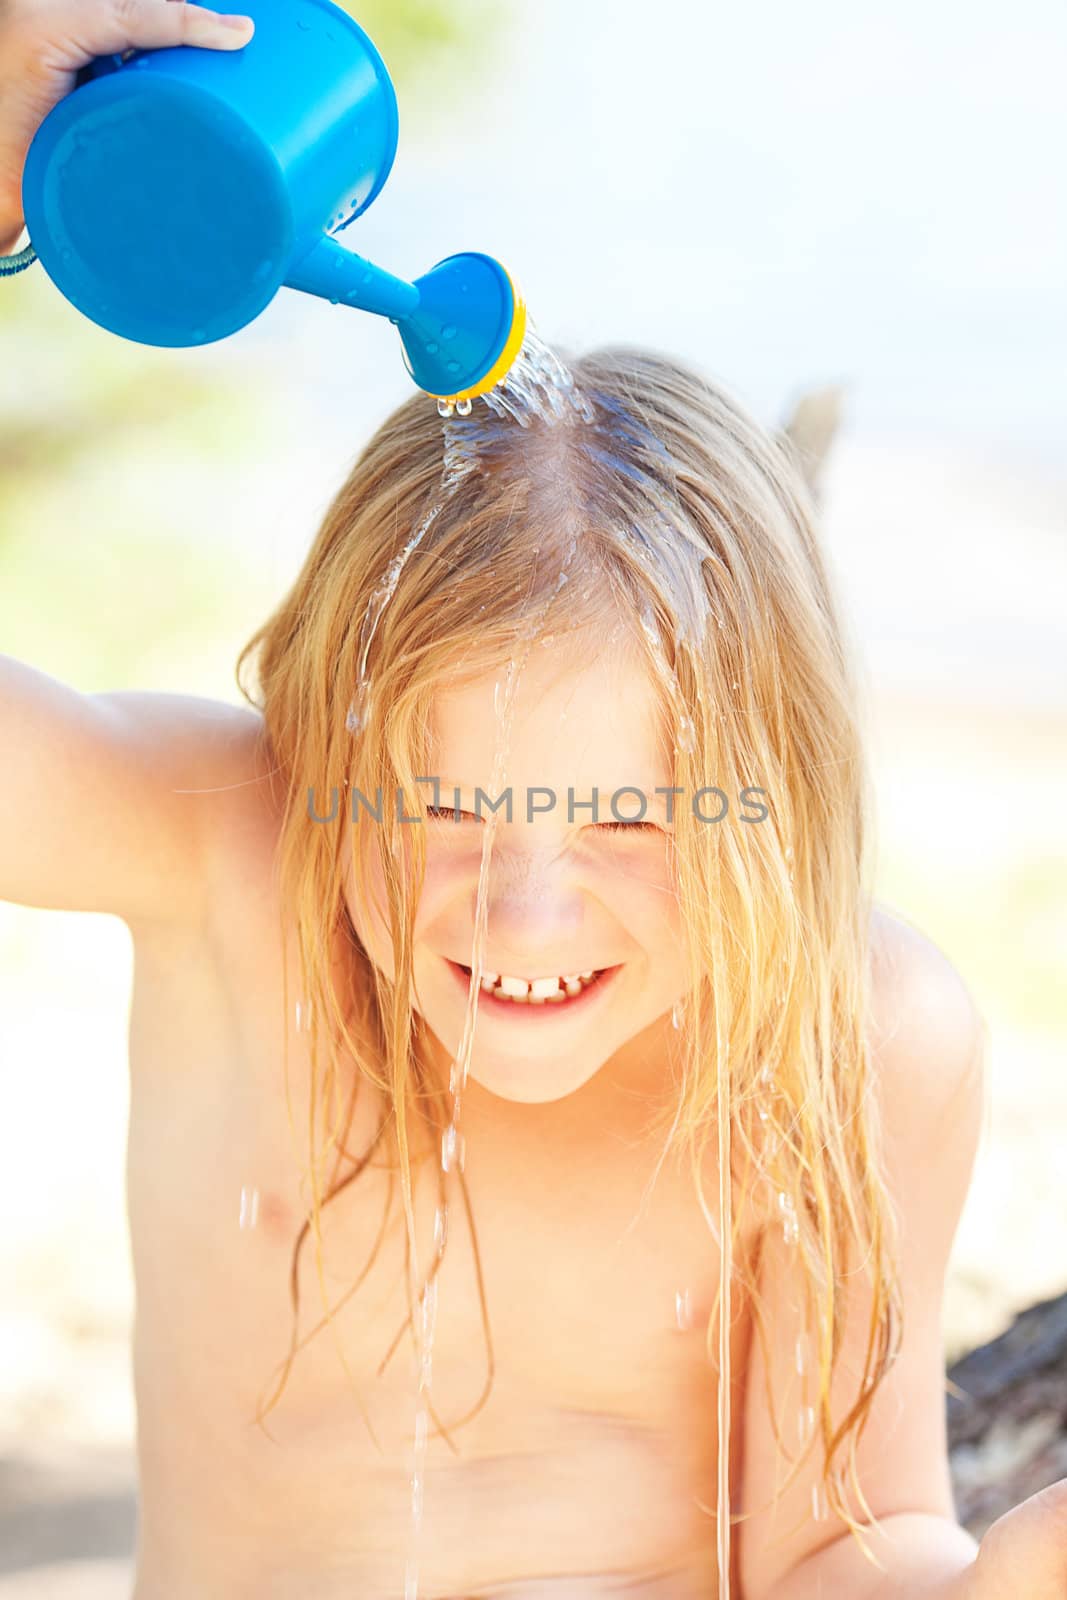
column 448, row 332
column 305, row 27
column 432, row 349
column 66, row 254
column 428, row 1315
column 440, row 1227
column 411, row 1573
column 683, row 1309
column 801, row 1354
column 548, row 639
column 453, row 366
column 199, row 334
column 805, row 1423
column 453, row 1150
column 445, row 408
column 249, row 1214
column 265, row 268
column 464, row 407
column 366, row 278
column 790, row 1226
column 686, row 735
column 303, row 1015
column 677, row 1013
column 818, row 1502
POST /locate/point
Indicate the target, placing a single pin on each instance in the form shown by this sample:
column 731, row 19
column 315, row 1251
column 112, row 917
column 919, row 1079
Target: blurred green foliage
column 417, row 36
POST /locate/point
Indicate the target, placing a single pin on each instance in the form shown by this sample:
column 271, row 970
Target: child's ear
column 809, row 432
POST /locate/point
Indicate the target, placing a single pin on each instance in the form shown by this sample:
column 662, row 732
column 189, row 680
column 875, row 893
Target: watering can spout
column 462, row 324
column 334, row 273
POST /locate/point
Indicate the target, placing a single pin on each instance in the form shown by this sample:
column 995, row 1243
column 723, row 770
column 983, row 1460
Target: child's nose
column 533, row 898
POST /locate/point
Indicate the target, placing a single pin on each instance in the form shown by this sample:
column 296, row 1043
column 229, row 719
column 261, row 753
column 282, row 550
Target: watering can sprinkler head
column 467, row 329
column 173, row 192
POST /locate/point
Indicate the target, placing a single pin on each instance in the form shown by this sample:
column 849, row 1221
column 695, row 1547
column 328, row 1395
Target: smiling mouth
column 540, row 997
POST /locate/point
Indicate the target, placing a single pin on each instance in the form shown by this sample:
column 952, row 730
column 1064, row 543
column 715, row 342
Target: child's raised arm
column 43, row 44
column 117, row 802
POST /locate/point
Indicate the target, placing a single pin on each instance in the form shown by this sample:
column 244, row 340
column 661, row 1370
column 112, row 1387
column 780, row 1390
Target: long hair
column 671, row 503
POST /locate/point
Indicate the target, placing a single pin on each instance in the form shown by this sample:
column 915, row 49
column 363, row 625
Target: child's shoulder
column 204, row 771
column 927, row 1034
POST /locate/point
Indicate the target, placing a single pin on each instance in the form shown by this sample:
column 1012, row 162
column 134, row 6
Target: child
column 683, row 1122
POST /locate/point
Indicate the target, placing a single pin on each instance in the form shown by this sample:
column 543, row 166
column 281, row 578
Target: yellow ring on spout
column 506, row 360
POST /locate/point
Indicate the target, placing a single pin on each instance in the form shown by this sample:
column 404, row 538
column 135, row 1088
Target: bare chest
column 572, row 1400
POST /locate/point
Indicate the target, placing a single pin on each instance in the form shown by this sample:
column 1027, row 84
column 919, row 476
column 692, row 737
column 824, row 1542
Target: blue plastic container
column 173, row 192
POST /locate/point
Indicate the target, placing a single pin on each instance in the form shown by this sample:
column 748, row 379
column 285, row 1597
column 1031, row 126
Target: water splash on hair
column 360, row 708
column 538, row 385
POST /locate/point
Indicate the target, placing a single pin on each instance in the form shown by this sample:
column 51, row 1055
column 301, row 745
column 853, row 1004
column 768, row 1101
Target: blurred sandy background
column 789, row 200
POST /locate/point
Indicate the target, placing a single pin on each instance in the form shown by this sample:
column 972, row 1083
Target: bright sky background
column 788, row 194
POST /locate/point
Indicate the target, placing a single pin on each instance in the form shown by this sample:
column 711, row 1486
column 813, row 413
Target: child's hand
column 1025, row 1550
column 43, row 43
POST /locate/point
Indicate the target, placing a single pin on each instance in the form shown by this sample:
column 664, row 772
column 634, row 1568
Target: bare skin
column 591, row 1467
column 589, row 1462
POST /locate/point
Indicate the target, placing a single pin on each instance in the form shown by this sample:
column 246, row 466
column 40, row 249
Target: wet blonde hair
column 676, row 507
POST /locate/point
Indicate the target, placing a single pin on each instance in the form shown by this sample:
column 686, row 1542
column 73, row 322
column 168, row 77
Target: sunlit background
column 790, row 198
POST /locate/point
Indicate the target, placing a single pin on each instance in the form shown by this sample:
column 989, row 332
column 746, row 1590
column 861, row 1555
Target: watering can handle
column 100, row 66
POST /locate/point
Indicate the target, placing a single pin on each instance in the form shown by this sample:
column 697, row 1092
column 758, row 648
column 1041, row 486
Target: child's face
column 565, row 896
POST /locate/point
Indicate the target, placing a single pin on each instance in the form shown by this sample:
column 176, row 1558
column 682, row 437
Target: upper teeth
column 502, row 983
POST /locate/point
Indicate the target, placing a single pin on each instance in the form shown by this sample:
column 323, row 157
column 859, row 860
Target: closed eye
column 450, row 814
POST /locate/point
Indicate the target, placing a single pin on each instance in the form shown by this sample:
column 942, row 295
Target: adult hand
column 44, row 43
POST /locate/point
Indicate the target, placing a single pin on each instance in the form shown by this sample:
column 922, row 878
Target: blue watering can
column 173, row 192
